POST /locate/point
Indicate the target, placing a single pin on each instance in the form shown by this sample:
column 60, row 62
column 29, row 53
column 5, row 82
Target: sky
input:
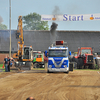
column 48, row 7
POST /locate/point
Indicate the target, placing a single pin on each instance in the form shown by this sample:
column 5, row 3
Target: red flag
column 3, row 66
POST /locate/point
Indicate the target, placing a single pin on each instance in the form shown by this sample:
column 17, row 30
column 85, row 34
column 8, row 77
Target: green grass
column 88, row 69
column 38, row 69
column 1, row 65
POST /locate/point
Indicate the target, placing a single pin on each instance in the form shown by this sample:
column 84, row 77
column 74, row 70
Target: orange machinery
column 85, row 57
column 25, row 53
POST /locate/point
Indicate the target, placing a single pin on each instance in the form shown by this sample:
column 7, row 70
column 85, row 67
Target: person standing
column 11, row 62
column 6, row 63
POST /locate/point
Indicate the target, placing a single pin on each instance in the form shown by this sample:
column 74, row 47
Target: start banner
column 66, row 17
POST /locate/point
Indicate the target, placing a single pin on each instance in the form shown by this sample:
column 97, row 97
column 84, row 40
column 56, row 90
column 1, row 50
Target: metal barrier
column 97, row 62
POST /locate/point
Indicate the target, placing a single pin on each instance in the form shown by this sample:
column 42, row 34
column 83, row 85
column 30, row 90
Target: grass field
column 1, row 65
column 3, row 69
column 88, row 69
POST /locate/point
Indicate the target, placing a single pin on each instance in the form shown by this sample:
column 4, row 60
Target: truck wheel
column 35, row 65
column 29, row 65
column 78, row 65
column 48, row 71
column 66, row 72
column 81, row 63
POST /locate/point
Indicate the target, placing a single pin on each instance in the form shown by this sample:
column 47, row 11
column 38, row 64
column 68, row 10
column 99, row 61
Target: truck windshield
column 85, row 51
column 58, row 53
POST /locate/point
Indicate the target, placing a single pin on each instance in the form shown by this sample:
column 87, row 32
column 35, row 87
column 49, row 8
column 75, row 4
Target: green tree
column 3, row 27
column 33, row 21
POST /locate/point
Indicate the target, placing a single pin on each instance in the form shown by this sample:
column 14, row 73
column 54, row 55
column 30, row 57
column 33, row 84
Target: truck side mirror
column 70, row 53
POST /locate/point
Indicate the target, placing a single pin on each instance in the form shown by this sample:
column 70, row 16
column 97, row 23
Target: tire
column 66, row 72
column 48, row 71
column 78, row 65
column 81, row 63
column 29, row 65
column 91, row 66
column 35, row 65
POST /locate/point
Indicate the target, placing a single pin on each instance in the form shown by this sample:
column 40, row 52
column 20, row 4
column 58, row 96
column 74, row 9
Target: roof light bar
column 59, row 42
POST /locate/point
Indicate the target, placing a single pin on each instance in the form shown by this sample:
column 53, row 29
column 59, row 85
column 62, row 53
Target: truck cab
column 58, row 57
column 38, row 59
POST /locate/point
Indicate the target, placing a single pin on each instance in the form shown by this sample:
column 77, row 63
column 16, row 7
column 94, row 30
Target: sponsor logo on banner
column 91, row 18
column 96, row 17
column 66, row 17
column 54, row 18
column 46, row 19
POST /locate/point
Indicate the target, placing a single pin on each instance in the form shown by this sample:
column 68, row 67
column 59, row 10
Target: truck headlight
column 23, row 62
column 50, row 66
column 17, row 62
column 65, row 66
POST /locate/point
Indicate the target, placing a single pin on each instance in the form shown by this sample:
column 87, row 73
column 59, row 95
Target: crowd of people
column 8, row 63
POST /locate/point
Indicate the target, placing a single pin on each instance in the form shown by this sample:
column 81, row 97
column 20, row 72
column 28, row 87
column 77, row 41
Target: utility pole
column 10, row 27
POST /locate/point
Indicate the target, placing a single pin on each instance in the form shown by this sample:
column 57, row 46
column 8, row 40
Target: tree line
column 31, row 21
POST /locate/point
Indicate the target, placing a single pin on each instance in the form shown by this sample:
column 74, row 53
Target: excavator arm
column 20, row 43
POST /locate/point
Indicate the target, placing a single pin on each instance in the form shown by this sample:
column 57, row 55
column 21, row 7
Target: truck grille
column 89, row 59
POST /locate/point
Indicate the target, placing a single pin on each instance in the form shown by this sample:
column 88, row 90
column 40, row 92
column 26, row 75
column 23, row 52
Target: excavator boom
column 21, row 41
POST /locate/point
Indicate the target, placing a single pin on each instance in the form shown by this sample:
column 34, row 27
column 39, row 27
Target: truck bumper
column 58, row 69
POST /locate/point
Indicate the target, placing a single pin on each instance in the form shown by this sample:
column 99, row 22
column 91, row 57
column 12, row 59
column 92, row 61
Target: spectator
column 6, row 62
column 30, row 98
column 11, row 61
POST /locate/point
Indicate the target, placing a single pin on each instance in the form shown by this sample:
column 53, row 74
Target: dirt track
column 77, row 85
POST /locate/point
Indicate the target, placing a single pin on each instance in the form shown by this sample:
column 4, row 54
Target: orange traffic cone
column 3, row 66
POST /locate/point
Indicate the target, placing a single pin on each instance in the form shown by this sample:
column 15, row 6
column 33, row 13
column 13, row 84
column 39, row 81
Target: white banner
column 67, row 17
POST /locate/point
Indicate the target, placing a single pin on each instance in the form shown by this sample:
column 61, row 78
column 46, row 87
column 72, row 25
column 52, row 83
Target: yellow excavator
column 24, row 55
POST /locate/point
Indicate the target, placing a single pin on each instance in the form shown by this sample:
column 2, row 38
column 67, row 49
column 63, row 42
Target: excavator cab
column 28, row 53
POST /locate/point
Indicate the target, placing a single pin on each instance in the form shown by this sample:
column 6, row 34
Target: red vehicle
column 85, row 57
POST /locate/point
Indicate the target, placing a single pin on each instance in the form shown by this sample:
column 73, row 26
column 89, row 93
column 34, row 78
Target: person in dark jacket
column 6, row 62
